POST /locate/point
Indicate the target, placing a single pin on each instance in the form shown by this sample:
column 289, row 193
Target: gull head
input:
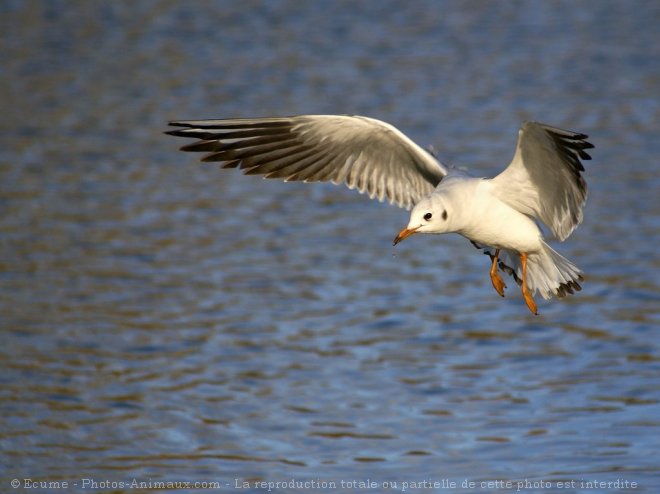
column 430, row 215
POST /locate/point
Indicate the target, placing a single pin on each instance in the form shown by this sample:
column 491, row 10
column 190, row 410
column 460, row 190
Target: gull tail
column 551, row 274
column 548, row 272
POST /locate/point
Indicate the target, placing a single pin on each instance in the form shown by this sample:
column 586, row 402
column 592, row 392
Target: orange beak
column 405, row 233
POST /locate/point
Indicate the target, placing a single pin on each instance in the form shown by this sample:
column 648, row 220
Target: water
column 162, row 320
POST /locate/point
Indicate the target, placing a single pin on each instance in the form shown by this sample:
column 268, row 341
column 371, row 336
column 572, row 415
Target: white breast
column 489, row 221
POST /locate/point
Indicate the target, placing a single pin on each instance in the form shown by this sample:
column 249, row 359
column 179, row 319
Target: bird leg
column 495, row 277
column 525, row 291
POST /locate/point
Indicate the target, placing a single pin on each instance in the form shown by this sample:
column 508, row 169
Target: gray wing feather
column 363, row 153
column 544, row 179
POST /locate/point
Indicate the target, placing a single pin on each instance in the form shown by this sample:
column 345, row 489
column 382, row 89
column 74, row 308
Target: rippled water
column 162, row 320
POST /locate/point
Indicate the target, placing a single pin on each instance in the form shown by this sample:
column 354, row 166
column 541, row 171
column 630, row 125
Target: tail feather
column 548, row 272
column 552, row 274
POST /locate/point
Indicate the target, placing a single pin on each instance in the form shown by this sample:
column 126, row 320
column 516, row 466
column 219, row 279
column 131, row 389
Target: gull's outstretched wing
column 361, row 152
column 544, row 178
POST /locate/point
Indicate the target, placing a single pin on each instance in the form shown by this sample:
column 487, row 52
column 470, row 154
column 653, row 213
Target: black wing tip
column 564, row 133
column 180, row 123
column 571, row 147
column 583, row 155
column 234, row 123
column 209, row 158
column 182, row 131
column 176, row 133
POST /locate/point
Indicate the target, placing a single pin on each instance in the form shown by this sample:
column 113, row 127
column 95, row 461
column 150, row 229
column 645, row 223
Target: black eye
column 444, row 215
column 428, row 216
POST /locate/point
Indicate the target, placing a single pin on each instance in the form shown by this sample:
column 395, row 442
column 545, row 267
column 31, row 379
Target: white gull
column 543, row 183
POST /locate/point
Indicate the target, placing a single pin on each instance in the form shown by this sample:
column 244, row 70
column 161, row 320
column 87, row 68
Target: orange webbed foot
column 498, row 283
column 495, row 278
column 529, row 300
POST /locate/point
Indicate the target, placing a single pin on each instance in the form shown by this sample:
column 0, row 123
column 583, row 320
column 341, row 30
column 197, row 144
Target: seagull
column 543, row 184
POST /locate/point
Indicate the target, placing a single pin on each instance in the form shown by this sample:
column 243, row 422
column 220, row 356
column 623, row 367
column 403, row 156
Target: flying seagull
column 501, row 215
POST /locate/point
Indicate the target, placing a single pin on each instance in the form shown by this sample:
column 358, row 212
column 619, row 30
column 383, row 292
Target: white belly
column 498, row 225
